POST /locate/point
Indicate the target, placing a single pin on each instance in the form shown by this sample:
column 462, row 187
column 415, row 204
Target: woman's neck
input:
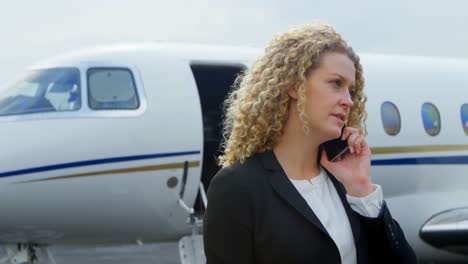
column 296, row 152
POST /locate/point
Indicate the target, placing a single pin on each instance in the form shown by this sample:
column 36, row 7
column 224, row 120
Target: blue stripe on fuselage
column 95, row 162
column 422, row 161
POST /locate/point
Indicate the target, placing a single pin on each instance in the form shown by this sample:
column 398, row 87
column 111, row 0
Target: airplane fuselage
column 111, row 170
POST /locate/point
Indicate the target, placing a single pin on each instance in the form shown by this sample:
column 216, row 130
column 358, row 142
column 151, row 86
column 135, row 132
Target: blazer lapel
column 353, row 220
column 283, row 186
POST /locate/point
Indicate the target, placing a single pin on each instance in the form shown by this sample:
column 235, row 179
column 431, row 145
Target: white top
column 320, row 194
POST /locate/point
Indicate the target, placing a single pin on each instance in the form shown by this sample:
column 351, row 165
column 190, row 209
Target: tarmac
column 161, row 253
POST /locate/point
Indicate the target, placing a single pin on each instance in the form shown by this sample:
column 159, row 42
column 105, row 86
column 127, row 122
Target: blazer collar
column 283, row 186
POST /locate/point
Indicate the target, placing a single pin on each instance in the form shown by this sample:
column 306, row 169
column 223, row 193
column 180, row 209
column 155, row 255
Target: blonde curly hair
column 256, row 109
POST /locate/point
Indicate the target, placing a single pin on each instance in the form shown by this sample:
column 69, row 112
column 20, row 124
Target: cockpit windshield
column 44, row 90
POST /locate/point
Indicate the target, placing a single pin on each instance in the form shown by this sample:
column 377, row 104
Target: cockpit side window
column 44, row 90
column 112, row 89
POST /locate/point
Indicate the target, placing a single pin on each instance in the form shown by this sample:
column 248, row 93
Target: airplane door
column 176, row 118
column 214, row 81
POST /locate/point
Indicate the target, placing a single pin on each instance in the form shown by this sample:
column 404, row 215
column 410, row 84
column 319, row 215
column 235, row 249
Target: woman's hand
column 353, row 169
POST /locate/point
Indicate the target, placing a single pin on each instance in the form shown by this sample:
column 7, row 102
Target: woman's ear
column 292, row 92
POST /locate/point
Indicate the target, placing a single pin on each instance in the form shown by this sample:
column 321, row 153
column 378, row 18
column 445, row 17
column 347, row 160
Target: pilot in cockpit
column 64, row 96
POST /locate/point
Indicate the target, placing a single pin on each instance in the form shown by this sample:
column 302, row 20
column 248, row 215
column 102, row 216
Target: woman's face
column 328, row 91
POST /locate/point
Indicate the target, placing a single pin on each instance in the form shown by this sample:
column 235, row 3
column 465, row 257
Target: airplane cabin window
column 42, row 90
column 464, row 117
column 391, row 119
column 431, row 119
column 112, row 89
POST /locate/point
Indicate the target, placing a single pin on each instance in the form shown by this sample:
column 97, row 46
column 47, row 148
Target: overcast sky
column 34, row 30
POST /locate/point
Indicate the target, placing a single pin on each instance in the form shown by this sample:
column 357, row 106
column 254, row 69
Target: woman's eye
column 336, row 82
column 352, row 93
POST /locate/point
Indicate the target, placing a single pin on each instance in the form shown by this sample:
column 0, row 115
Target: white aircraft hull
column 112, row 177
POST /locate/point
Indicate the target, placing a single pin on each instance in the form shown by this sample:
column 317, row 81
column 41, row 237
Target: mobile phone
column 336, row 148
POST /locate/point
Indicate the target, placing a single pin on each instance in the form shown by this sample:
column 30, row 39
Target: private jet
column 117, row 145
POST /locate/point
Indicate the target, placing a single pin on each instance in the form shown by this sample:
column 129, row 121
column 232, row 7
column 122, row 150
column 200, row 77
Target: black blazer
column 255, row 215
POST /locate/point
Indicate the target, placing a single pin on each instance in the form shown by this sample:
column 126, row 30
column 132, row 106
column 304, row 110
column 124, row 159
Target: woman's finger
column 345, row 134
column 364, row 144
column 358, row 144
column 351, row 142
column 347, row 131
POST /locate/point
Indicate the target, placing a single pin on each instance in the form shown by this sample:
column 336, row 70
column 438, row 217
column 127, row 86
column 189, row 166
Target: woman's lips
column 340, row 117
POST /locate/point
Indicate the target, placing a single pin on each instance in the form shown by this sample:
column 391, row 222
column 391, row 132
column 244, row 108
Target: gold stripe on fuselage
column 179, row 165
column 415, row 149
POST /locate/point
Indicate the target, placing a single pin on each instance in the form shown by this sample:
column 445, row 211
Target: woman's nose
column 347, row 100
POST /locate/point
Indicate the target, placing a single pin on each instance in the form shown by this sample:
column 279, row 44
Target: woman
column 278, row 199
